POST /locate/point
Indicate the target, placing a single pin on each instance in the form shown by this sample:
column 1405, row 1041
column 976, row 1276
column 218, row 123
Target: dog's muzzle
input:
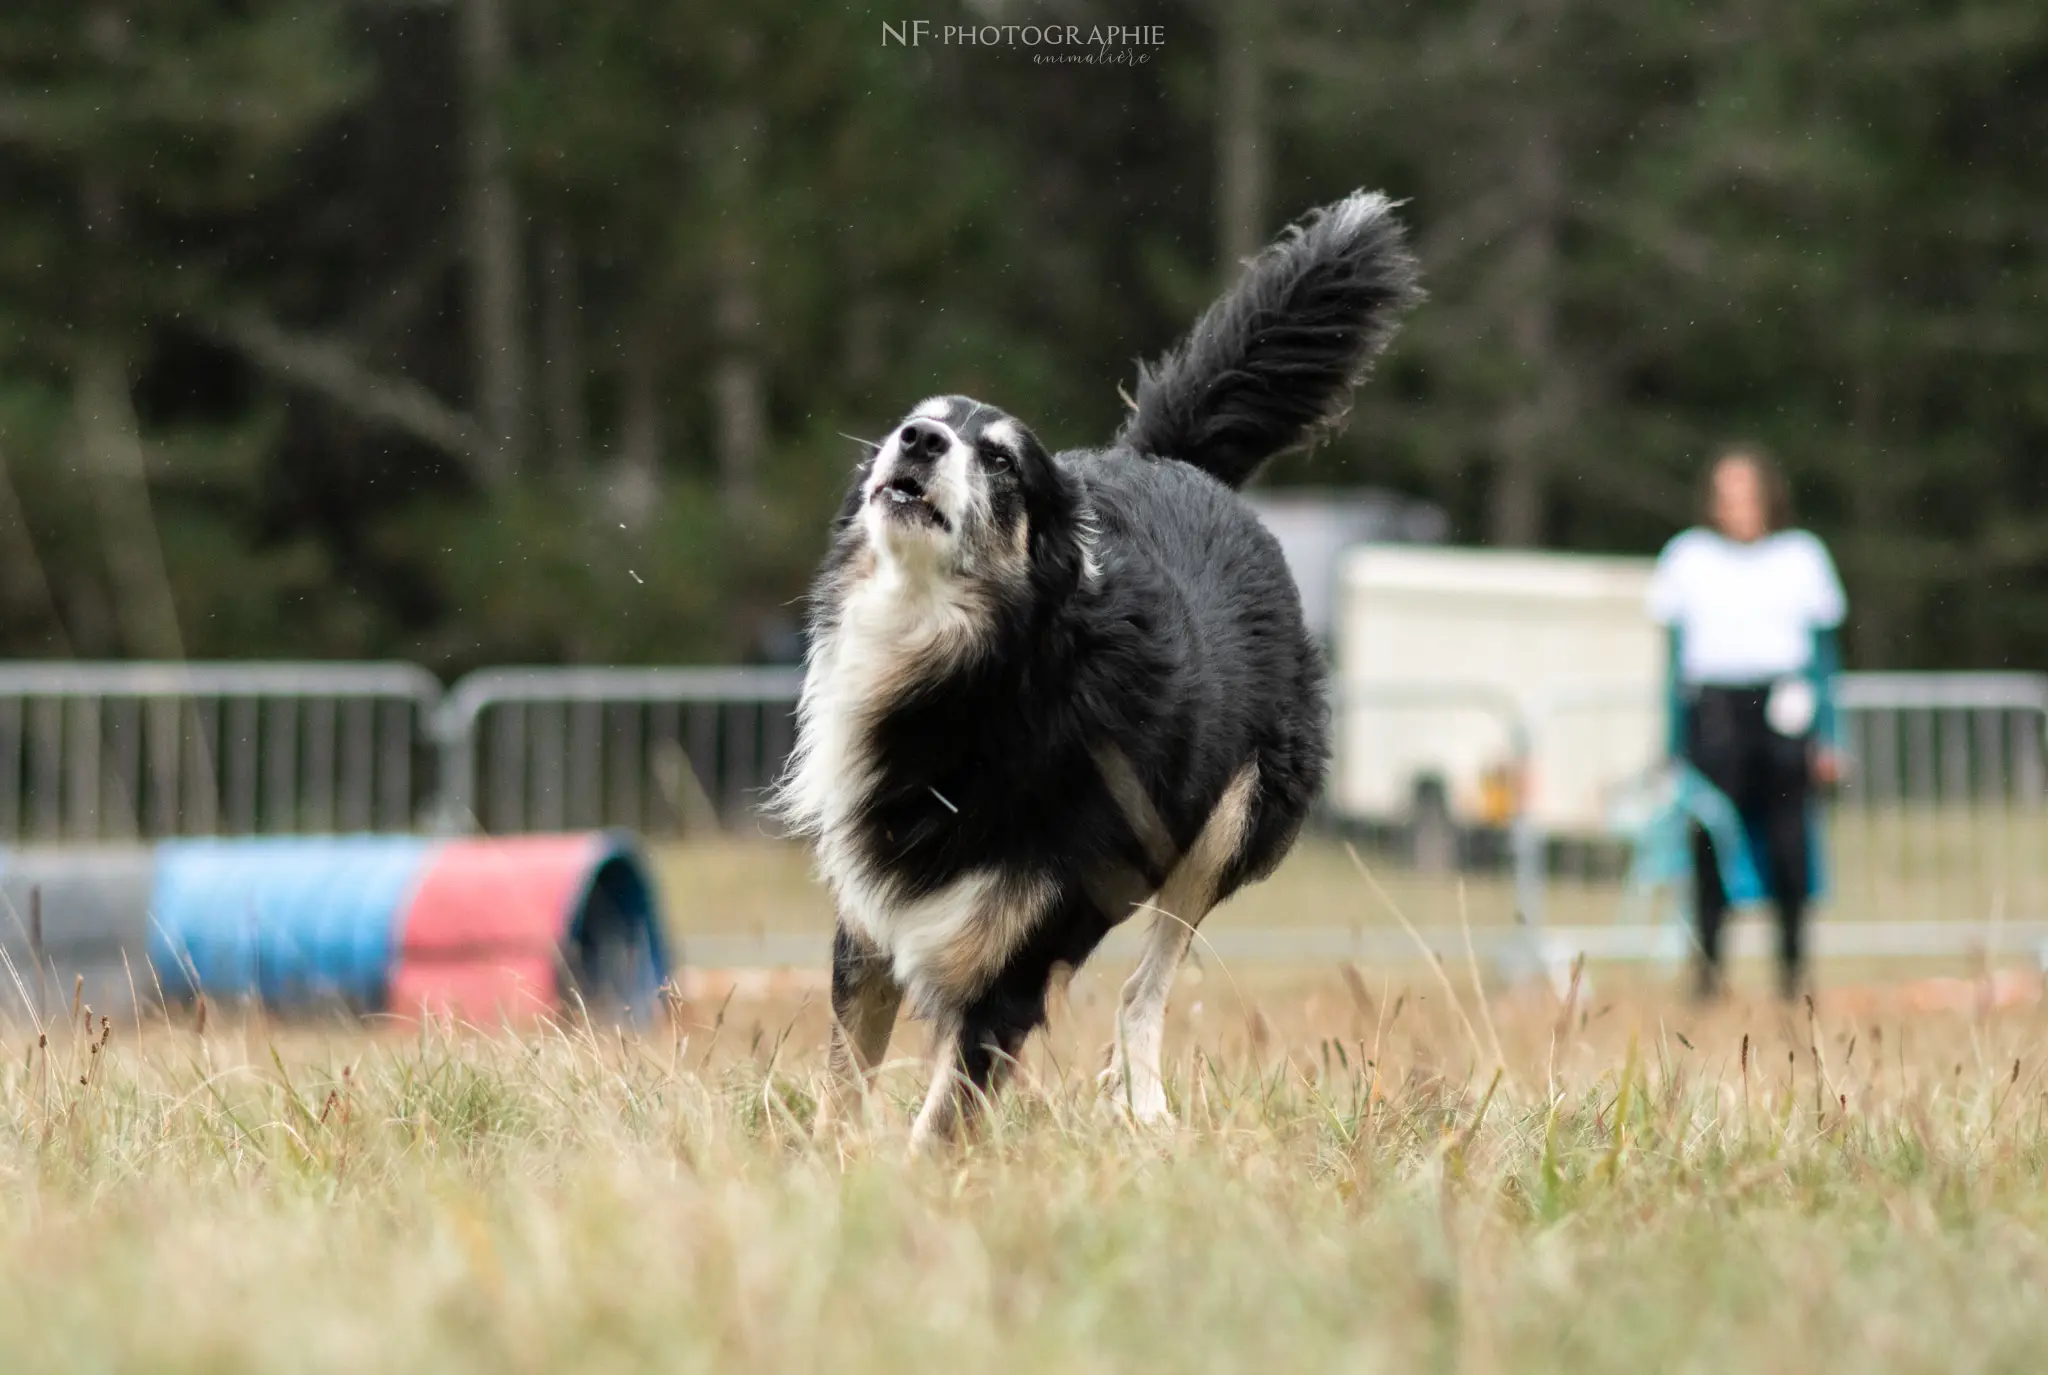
column 905, row 494
column 903, row 497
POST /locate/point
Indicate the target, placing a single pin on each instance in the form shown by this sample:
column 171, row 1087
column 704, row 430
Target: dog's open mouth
column 903, row 498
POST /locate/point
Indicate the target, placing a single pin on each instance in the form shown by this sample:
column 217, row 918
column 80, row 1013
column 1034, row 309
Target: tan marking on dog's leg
column 1139, row 814
column 862, row 1032
column 860, row 1038
column 862, row 1024
column 1133, row 1078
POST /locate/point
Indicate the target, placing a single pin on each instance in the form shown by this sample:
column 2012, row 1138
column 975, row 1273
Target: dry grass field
column 1884, row 868
column 1948, row 864
column 1368, row 1175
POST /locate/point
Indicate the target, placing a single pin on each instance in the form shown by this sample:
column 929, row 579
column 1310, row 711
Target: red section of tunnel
column 482, row 940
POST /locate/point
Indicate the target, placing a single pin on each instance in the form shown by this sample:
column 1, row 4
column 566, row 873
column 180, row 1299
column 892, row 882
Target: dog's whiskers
column 943, row 798
column 864, row 443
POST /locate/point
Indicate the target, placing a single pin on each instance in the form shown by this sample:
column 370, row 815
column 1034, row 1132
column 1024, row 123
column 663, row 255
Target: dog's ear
column 1051, row 514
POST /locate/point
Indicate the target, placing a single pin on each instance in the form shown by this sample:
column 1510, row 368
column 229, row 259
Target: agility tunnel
column 477, row 929
column 75, row 924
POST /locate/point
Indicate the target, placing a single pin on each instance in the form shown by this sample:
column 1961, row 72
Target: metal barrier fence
column 1910, row 738
column 1944, row 808
column 1942, row 820
column 1945, row 737
column 665, row 751
column 94, row 751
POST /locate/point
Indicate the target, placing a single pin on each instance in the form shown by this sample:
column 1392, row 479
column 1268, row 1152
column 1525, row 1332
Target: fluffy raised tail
column 1272, row 363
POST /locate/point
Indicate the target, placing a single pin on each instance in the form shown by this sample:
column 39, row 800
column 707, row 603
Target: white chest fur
column 902, row 622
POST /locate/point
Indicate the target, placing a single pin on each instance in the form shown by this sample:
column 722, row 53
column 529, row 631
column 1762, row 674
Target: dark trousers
column 1767, row 776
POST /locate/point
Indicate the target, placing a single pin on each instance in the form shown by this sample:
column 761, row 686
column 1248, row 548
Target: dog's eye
column 998, row 460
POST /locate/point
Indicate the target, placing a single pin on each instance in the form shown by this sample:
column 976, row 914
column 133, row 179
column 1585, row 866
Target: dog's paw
column 1143, row 1104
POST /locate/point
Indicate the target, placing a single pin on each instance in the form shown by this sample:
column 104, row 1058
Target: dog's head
column 959, row 489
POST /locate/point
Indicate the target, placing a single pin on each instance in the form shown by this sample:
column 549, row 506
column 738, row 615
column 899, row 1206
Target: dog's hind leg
column 1133, row 1081
column 865, row 999
column 1201, row 879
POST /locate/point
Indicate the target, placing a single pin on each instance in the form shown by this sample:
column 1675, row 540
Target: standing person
column 1753, row 605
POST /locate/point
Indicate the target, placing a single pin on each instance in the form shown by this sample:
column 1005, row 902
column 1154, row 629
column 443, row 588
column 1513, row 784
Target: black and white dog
column 1046, row 691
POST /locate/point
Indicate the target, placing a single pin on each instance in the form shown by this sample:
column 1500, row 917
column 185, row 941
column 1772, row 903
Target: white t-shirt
column 1746, row 613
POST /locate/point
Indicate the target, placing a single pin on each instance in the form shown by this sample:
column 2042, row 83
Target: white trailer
column 1316, row 527
column 1476, row 681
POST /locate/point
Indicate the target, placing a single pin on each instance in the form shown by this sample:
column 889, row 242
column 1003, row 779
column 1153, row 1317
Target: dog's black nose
column 922, row 441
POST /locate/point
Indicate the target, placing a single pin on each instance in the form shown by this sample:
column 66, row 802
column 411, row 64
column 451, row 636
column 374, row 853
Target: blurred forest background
column 478, row 331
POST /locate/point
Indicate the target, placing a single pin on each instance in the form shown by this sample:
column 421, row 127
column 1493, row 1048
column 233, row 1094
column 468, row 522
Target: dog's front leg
column 973, row 1051
column 865, row 999
column 945, row 1100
